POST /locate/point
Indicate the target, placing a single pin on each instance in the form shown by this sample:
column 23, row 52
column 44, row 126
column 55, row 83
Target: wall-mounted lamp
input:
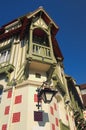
column 45, row 93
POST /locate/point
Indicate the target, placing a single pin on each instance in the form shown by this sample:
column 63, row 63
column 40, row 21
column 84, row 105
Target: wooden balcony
column 41, row 50
column 40, row 57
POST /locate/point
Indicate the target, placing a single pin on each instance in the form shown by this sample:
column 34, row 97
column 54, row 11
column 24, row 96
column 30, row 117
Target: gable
column 40, row 23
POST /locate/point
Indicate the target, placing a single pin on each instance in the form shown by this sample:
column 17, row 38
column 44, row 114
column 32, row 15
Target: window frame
column 39, row 36
column 5, row 55
column 1, row 88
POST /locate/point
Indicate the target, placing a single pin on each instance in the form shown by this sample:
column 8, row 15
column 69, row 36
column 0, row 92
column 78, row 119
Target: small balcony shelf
column 5, row 67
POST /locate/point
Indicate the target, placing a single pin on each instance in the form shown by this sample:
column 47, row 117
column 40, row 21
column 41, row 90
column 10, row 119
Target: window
column 1, row 90
column 37, row 75
column 4, row 55
column 40, row 37
column 38, row 116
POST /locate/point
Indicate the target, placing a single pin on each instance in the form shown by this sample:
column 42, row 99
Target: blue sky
column 70, row 16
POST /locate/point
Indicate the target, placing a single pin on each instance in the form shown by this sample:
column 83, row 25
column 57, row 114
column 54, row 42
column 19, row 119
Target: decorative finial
column 41, row 7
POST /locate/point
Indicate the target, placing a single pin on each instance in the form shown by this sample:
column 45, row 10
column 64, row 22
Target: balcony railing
column 41, row 50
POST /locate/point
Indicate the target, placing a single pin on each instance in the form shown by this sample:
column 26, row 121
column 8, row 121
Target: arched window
column 1, row 90
column 40, row 37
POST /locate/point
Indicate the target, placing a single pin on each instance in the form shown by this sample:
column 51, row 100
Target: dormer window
column 4, row 55
column 40, row 37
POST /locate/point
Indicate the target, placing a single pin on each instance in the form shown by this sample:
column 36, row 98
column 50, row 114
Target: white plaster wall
column 59, row 72
column 31, row 124
column 22, row 108
column 32, row 76
column 4, row 103
column 62, row 112
column 71, row 120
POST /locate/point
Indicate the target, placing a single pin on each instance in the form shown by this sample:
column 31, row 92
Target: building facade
column 30, row 60
column 83, row 93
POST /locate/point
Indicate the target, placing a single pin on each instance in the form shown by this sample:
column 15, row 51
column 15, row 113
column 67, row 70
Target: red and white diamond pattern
column 6, row 109
column 54, row 115
column 17, row 110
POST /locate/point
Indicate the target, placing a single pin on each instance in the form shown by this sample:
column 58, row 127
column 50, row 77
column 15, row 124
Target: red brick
column 53, row 127
column 18, row 99
column 51, row 110
column 7, row 108
column 56, row 119
column 9, row 94
column 66, row 117
column 35, row 98
column 16, row 117
column 4, row 127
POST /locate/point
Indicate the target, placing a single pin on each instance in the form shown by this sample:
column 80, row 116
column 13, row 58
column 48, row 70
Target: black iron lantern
column 45, row 93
